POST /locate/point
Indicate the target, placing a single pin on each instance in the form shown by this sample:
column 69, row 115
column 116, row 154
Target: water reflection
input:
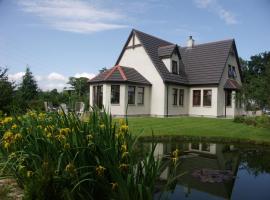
column 249, row 166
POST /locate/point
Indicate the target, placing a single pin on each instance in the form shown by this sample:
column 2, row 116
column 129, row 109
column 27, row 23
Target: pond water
column 217, row 171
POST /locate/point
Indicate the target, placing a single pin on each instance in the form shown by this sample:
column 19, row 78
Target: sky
column 62, row 38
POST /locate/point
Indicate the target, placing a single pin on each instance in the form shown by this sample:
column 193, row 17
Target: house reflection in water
column 196, row 156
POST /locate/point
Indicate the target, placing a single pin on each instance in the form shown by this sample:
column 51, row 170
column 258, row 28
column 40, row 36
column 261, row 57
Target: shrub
column 58, row 156
column 258, row 121
column 239, row 119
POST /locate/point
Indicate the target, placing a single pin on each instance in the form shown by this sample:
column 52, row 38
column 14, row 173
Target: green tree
column 80, row 85
column 28, row 87
column 256, row 80
column 7, row 91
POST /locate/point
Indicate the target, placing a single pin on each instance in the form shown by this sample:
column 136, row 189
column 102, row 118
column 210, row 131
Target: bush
column 258, row 121
column 58, row 156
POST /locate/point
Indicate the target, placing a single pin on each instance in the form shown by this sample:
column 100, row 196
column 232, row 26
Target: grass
column 196, row 127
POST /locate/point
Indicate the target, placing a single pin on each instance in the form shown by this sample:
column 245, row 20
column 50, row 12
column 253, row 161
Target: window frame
column 138, row 95
column 175, row 98
column 181, row 97
column 205, row 96
column 115, row 92
column 228, row 93
column 173, row 67
column 134, row 95
column 199, row 96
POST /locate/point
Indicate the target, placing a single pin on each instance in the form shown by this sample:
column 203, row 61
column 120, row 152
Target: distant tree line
column 26, row 95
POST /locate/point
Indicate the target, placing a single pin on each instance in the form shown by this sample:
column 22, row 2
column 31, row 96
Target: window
column 196, row 97
column 232, row 72
column 205, row 147
column 181, row 97
column 175, row 96
column 140, row 98
column 195, row 146
column 131, row 94
column 207, row 97
column 228, row 94
column 115, row 94
column 174, row 67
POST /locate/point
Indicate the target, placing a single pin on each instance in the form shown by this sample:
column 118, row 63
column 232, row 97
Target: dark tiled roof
column 120, row 74
column 232, row 85
column 205, row 62
column 151, row 45
column 199, row 65
column 166, row 51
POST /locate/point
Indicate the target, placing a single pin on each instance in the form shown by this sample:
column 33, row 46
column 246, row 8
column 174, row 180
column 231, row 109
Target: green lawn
column 197, row 127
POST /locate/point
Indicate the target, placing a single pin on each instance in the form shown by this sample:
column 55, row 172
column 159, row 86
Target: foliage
column 80, row 85
column 57, row 156
column 28, row 87
column 258, row 121
column 256, row 79
column 6, row 94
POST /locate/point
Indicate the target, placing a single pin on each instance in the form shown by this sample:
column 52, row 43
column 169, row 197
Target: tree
column 80, row 85
column 256, row 80
column 28, row 87
column 6, row 94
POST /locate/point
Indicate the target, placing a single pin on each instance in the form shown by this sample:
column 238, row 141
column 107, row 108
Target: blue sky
column 62, row 38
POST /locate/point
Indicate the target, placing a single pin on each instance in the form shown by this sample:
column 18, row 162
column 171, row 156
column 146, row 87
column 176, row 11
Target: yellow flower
column 60, row 137
column 7, row 120
column 29, row 174
column 101, row 126
column 89, row 137
column 70, row 168
column 64, row 131
column 6, row 145
column 124, row 128
column 175, row 153
column 14, row 126
column 123, row 167
column 121, row 121
column 174, row 160
column 41, row 116
column 67, row 146
column 125, row 154
column 18, row 136
column 123, row 147
column 8, row 139
column 100, row 170
column 49, row 135
column 114, row 186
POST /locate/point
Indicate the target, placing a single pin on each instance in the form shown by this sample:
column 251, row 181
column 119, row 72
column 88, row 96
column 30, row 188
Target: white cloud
column 84, row 74
column 56, row 77
column 73, row 16
column 214, row 7
column 16, row 77
column 51, row 81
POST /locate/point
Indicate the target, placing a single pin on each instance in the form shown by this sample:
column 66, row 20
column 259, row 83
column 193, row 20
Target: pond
column 217, row 171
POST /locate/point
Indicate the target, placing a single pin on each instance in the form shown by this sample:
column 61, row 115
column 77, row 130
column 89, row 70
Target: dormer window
column 174, row 67
column 232, row 72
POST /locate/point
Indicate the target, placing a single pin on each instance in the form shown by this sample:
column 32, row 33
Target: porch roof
column 120, row 74
column 232, row 85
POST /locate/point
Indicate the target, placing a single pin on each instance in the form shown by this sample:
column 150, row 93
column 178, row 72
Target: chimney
column 190, row 42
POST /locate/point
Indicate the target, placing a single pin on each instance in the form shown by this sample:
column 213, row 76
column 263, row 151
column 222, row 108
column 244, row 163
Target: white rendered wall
column 221, row 93
column 138, row 109
column 201, row 110
column 177, row 109
column 138, row 59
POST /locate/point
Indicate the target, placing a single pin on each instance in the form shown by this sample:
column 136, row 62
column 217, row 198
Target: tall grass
column 58, row 156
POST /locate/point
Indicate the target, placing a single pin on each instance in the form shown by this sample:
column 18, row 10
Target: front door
column 98, row 96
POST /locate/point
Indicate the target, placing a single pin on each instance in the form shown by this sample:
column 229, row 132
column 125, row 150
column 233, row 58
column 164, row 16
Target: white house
column 158, row 78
